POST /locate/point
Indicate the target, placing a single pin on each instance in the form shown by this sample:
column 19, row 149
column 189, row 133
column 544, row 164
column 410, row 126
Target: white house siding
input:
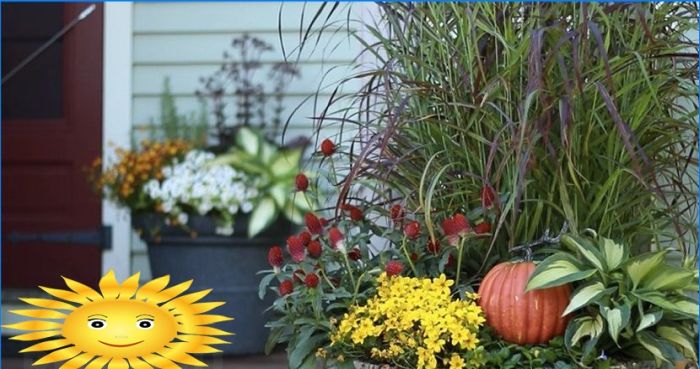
column 185, row 41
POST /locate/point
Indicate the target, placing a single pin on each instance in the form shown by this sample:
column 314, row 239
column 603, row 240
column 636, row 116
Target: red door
column 51, row 129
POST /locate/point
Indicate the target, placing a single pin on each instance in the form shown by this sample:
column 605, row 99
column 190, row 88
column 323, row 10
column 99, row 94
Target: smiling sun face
column 122, row 326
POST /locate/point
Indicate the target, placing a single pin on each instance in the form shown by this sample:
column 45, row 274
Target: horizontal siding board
column 184, row 79
column 209, row 48
column 240, row 16
column 147, row 109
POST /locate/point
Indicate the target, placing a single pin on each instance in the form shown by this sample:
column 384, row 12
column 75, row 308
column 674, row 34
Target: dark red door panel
column 51, row 129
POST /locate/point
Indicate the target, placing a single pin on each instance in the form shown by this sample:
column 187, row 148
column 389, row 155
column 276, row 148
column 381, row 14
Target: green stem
column 408, row 256
column 460, row 249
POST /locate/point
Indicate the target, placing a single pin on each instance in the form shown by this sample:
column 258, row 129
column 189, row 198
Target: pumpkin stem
column 544, row 240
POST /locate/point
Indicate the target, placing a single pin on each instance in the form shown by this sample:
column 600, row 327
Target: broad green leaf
column 248, row 140
column 280, row 192
column 583, row 296
column 286, row 163
column 682, row 307
column 557, row 270
column 263, row 215
column 268, row 152
column 660, row 349
column 679, row 336
column 264, row 283
column 305, row 347
column 617, row 319
column 586, row 326
column 649, row 320
column 613, row 252
column 666, row 277
column 586, row 249
column 640, row 266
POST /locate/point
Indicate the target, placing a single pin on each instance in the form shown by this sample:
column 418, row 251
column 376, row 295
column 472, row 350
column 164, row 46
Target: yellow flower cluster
column 133, row 168
column 414, row 320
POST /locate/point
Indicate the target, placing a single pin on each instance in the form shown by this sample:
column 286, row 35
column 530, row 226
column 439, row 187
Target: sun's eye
column 97, row 323
column 144, row 323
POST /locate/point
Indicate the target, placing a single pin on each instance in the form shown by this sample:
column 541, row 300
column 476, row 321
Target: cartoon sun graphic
column 122, row 326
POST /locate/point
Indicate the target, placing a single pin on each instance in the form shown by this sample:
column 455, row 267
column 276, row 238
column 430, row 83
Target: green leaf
column 679, row 336
column 614, row 253
column 263, row 215
column 638, row 267
column 286, row 163
column 579, row 328
column 584, row 296
column 661, row 350
column 586, row 249
column 666, row 277
column 683, row 307
column 248, row 140
column 280, row 192
column 305, row 346
column 649, row 320
column 617, row 319
column 264, row 283
column 557, row 270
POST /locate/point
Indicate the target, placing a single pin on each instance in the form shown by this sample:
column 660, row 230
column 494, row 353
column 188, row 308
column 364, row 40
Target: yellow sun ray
column 171, row 292
column 34, row 325
column 121, row 326
column 66, row 295
column 137, row 363
column 58, row 355
column 160, row 362
column 194, row 348
column 77, row 362
column 98, row 363
column 39, row 313
column 47, row 304
column 202, row 339
column 118, row 363
column 35, row 336
column 82, row 289
column 180, row 357
column 128, row 288
column 151, row 288
column 109, row 287
column 48, row 345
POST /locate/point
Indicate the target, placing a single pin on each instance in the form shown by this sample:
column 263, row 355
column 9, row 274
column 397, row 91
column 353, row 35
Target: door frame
column 116, row 124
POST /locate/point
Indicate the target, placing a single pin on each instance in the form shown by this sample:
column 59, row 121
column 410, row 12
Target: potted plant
column 518, row 118
column 208, row 212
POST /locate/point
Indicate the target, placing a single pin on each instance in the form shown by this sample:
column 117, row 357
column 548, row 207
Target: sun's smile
column 121, row 326
column 124, row 345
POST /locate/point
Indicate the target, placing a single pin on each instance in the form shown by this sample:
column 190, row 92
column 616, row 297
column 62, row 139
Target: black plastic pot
column 226, row 264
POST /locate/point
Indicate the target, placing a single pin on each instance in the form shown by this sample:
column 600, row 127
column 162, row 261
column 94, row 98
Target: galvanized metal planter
column 226, row 264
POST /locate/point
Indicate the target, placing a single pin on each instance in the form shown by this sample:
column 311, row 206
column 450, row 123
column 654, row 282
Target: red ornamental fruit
column 451, row 261
column 286, row 287
column 313, row 223
column 521, row 317
column 433, row 246
column 355, row 254
column 455, row 225
column 487, row 196
column 335, row 236
column 311, row 280
column 324, row 222
column 327, row 147
column 482, row 228
column 414, row 256
column 314, row 248
column 296, row 248
column 396, row 213
column 393, row 267
column 355, row 212
column 305, row 237
column 301, row 182
column 412, row 230
column 274, row 257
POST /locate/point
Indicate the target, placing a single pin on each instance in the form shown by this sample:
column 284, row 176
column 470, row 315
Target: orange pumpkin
column 519, row 317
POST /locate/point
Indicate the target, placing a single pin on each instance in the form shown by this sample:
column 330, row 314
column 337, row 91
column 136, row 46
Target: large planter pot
column 226, row 264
